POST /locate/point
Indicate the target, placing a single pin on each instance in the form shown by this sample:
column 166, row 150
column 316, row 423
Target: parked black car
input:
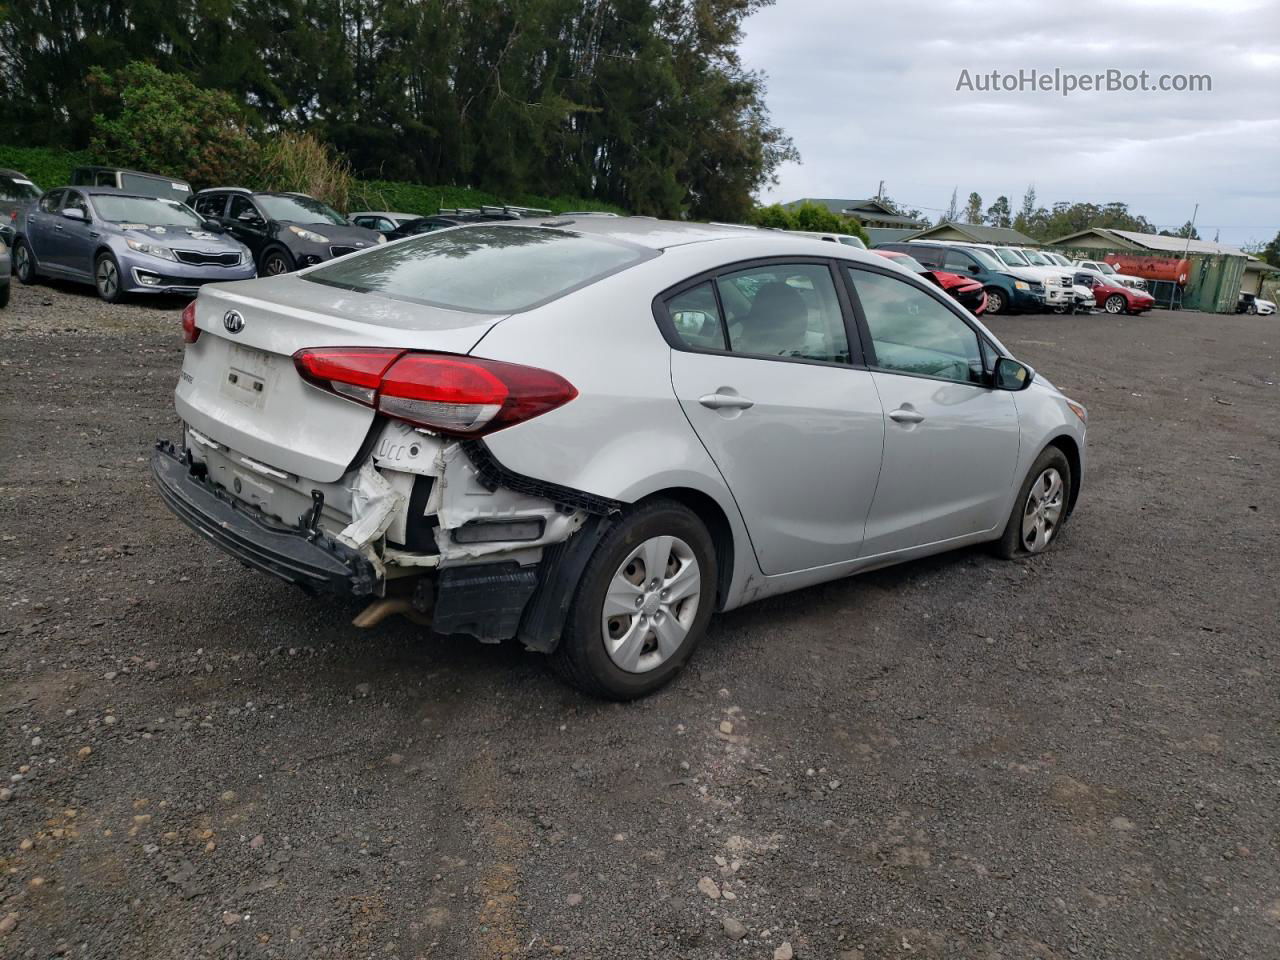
column 461, row 215
column 134, row 182
column 285, row 231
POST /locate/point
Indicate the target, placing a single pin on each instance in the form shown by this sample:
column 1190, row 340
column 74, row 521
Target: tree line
column 641, row 103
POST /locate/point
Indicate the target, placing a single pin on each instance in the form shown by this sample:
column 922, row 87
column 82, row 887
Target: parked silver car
column 124, row 243
column 589, row 434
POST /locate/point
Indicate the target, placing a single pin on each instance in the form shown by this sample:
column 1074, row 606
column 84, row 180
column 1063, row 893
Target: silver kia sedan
column 589, row 434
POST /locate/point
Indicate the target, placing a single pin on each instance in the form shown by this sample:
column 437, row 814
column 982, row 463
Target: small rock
column 109, row 720
column 1121, row 823
column 257, row 842
column 395, row 759
column 230, row 919
column 84, row 752
column 5, row 794
column 733, row 929
column 364, row 689
column 228, row 796
column 7, row 923
column 708, row 887
column 109, row 675
column 784, row 952
column 210, row 847
column 150, row 848
column 726, row 726
column 37, row 742
column 729, row 895
column 573, row 899
column 26, row 844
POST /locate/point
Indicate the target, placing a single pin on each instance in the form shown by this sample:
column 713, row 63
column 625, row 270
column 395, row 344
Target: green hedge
column 46, row 167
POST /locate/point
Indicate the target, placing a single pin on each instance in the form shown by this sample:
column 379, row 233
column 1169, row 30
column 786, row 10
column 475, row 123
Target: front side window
column 486, row 269
column 784, row 310
column 104, row 178
column 912, row 333
column 986, row 258
column 242, row 209
column 957, row 262
column 74, row 200
column 1012, row 257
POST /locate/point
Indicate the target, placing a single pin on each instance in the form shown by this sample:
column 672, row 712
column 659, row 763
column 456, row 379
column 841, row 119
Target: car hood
column 182, row 238
column 338, row 233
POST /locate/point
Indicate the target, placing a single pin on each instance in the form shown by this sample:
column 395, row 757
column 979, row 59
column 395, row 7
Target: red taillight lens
column 190, row 332
column 353, row 372
column 451, row 394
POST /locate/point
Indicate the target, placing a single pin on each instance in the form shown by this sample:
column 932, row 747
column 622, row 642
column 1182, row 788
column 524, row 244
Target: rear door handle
column 726, row 401
column 904, row 415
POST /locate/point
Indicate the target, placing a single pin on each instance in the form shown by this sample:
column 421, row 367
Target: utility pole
column 1190, row 230
column 880, row 192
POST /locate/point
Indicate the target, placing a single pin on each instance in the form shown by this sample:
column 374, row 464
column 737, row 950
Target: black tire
column 106, row 278
column 1011, row 545
column 1115, row 305
column 4, row 293
column 996, row 302
column 275, row 262
column 1251, row 308
column 24, row 263
column 581, row 657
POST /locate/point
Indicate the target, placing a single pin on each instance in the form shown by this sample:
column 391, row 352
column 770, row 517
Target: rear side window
column 17, row 188
column 696, row 318
column 485, row 269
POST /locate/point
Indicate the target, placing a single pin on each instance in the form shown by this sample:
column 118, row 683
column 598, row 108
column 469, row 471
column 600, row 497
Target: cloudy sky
column 867, row 91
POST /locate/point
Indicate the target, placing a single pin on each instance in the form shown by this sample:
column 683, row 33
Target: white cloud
column 868, row 91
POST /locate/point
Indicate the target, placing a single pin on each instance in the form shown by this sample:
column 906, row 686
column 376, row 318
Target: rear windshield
column 153, row 186
column 17, row 188
column 487, row 269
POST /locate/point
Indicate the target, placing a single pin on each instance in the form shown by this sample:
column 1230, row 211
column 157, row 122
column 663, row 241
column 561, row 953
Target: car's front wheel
column 276, row 262
column 1251, row 308
column 995, row 301
column 24, row 264
column 1041, row 507
column 642, row 604
column 1114, row 304
column 106, row 277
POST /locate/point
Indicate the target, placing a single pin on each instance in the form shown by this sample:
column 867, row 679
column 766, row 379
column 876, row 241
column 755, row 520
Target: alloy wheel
column 1115, row 304
column 995, row 303
column 651, row 604
column 22, row 263
column 108, row 278
column 1043, row 510
column 275, row 265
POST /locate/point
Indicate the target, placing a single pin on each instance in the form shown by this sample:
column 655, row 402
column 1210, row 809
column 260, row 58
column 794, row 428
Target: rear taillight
column 452, row 394
column 190, row 332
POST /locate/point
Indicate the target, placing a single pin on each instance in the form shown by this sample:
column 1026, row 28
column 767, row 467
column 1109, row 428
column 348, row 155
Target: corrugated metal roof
column 982, row 233
column 1153, row 241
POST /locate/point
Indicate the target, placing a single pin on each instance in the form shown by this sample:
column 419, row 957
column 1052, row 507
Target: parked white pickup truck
column 1110, row 272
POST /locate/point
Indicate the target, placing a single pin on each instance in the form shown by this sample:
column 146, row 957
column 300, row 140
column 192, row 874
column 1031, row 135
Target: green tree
column 1271, row 252
column 998, row 213
column 953, row 211
column 973, row 209
column 164, row 123
column 1186, row 231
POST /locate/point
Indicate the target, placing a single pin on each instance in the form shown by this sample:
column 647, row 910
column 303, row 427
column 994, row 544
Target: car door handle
column 905, row 415
column 726, row 401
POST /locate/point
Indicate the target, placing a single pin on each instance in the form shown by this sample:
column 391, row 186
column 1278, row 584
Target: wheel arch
column 1071, row 450
column 717, row 523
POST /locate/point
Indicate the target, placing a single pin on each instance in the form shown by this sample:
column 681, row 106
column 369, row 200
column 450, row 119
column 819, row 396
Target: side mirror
column 1011, row 375
column 213, row 226
column 974, row 268
column 249, row 217
column 74, row 213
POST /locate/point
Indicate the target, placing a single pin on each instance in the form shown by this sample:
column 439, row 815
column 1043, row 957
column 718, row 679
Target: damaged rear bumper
column 306, row 557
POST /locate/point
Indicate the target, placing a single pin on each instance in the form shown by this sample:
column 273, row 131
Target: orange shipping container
column 1152, row 268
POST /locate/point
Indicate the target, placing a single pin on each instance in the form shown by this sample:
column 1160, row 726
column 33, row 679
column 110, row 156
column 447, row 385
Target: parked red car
column 1114, row 298
column 966, row 290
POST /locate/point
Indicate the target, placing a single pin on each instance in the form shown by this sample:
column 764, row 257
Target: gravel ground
column 1076, row 756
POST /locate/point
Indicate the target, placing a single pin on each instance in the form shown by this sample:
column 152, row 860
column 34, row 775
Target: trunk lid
column 241, row 389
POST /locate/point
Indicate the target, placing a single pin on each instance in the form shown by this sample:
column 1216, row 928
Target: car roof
column 384, row 213
column 6, row 172
column 109, row 192
column 140, row 173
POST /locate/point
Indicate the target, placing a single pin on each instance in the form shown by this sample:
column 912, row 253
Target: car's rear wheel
column 276, row 262
column 24, row 264
column 1041, row 507
column 995, row 300
column 1114, row 304
column 106, row 277
column 642, row 604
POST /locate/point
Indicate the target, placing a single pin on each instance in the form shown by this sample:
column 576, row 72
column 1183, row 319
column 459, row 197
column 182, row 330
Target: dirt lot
column 1077, row 756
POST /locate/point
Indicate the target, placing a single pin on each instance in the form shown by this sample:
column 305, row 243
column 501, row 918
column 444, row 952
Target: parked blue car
column 124, row 243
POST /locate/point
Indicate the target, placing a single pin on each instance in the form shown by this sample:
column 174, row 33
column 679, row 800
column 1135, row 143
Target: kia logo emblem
column 233, row 321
